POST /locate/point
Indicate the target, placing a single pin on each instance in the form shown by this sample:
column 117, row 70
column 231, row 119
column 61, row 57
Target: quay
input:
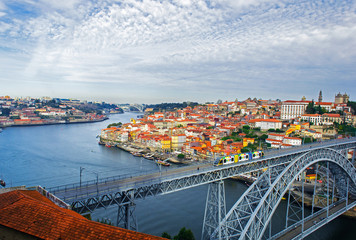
column 134, row 148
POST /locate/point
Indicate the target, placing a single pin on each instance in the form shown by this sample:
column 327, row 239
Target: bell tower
column 320, row 99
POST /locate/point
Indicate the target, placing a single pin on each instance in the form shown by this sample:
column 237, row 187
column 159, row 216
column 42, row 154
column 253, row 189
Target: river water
column 52, row 155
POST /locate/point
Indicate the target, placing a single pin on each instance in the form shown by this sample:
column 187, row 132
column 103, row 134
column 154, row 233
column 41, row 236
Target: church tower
column 320, row 99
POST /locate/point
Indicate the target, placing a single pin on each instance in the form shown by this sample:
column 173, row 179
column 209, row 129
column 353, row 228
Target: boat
column 162, row 163
column 109, row 145
column 148, row 156
column 136, row 154
column 2, row 183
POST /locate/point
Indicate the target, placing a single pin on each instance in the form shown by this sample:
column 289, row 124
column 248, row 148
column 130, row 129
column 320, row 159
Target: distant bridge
column 250, row 217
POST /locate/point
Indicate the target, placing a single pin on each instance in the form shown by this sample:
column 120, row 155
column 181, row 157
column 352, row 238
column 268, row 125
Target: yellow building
column 166, row 144
column 246, row 141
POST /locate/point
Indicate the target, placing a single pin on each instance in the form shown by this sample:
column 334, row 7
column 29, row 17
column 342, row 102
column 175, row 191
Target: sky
column 154, row 51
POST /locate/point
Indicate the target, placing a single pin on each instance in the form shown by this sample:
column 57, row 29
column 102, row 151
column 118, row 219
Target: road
column 85, row 191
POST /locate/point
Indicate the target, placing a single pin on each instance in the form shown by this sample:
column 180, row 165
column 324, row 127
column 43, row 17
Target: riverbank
column 54, row 122
column 138, row 150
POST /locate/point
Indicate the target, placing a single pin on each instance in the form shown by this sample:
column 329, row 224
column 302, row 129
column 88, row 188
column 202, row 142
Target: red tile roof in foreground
column 30, row 212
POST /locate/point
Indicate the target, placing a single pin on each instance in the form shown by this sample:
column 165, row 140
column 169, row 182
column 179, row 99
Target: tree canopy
column 119, row 124
column 352, row 105
column 184, row 234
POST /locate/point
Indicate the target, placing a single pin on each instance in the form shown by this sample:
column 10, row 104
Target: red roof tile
column 29, row 212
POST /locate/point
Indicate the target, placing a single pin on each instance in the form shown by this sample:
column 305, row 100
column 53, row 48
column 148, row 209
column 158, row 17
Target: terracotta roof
column 331, row 115
column 311, row 115
column 276, row 134
column 293, row 101
column 263, row 120
column 31, row 213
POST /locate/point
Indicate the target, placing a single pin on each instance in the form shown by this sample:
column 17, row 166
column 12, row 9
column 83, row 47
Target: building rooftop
column 30, row 213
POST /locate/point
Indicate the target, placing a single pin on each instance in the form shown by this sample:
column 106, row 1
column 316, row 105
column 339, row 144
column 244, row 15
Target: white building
column 276, row 136
column 294, row 141
column 266, row 124
column 316, row 119
column 281, row 141
column 293, row 109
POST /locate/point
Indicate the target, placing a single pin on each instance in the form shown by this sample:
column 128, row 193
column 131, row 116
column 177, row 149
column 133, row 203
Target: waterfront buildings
column 210, row 129
column 30, row 111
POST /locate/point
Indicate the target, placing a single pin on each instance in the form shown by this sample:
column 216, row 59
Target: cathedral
column 339, row 98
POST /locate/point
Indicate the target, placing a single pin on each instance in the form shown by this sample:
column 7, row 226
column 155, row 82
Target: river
column 52, row 155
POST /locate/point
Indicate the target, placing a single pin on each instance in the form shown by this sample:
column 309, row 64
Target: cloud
column 197, row 46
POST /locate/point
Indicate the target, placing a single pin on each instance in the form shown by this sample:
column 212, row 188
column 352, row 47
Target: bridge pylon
column 251, row 214
column 126, row 217
column 215, row 209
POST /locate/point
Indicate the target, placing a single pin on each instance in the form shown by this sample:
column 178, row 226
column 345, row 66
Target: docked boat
column 163, row 163
column 109, row 145
column 149, row 156
column 136, row 154
column 2, row 183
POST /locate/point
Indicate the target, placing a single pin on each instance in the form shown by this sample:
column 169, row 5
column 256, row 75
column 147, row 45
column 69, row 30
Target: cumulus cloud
column 202, row 47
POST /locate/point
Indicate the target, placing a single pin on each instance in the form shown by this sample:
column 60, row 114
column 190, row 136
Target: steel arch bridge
column 123, row 191
column 251, row 215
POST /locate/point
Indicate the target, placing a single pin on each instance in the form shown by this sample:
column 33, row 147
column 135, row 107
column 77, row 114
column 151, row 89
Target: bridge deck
column 87, row 190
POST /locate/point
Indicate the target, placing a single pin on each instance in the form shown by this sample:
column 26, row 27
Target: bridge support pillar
column 215, row 209
column 126, row 217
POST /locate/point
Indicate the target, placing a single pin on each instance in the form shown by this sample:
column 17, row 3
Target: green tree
column 310, row 108
column 119, row 124
column 308, row 140
column 166, row 235
column 352, row 105
column 184, row 234
column 105, row 221
column 246, row 127
column 5, row 111
column 263, row 137
column 245, row 150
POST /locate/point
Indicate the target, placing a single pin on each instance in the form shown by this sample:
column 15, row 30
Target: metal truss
column 124, row 191
column 251, row 214
column 99, row 195
column 126, row 217
column 215, row 209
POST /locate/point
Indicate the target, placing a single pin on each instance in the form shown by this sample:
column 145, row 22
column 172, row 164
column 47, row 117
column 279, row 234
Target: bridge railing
column 91, row 189
column 100, row 180
column 168, row 175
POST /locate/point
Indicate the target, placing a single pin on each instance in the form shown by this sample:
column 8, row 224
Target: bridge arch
column 251, row 214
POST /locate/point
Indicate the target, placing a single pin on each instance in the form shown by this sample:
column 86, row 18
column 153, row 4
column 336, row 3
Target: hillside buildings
column 206, row 130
